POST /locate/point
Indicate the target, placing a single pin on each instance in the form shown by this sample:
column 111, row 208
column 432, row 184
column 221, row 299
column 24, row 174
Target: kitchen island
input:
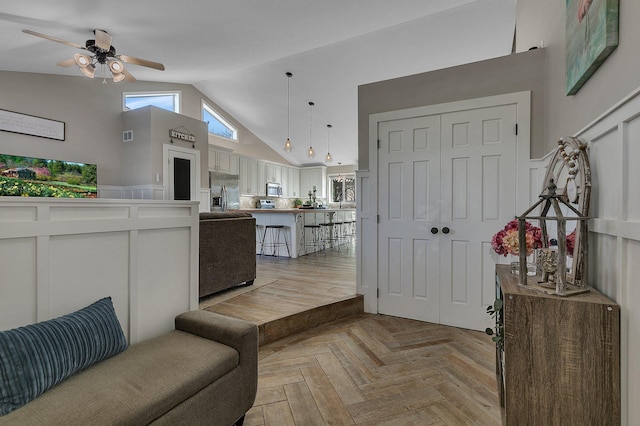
column 295, row 220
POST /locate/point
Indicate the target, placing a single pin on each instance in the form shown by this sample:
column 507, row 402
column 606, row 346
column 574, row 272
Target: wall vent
column 127, row 136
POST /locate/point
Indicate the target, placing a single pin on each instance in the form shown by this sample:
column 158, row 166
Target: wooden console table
column 561, row 357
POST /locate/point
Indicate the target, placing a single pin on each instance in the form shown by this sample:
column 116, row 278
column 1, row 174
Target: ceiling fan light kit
column 89, row 70
column 82, row 60
column 104, row 53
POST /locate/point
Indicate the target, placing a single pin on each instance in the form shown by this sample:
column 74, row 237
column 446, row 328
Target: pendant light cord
column 288, row 107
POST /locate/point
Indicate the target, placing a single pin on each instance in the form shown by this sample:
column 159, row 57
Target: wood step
column 287, row 325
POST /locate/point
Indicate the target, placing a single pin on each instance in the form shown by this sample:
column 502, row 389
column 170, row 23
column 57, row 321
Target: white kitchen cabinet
column 249, row 176
column 313, row 176
column 262, row 179
column 273, row 173
column 223, row 161
column 293, row 182
column 227, row 163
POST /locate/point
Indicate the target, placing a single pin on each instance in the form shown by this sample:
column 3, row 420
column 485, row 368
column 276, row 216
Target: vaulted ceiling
column 236, row 52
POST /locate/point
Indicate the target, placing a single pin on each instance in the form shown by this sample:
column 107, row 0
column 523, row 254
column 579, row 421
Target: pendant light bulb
column 311, row 153
column 328, row 158
column 287, row 144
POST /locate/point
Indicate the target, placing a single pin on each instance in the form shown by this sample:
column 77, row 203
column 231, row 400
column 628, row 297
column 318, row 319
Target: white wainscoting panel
column 614, row 244
column 59, row 255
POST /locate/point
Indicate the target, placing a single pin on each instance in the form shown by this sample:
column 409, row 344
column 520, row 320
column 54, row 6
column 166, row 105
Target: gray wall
column 508, row 74
column 143, row 157
column 543, row 21
column 92, row 112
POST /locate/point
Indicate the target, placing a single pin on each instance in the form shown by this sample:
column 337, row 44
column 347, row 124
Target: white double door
column 446, row 185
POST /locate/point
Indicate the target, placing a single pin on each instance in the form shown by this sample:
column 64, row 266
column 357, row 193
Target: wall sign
column 182, row 135
column 25, row 124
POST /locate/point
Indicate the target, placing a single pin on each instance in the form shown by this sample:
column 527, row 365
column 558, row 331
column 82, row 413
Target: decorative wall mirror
column 570, row 170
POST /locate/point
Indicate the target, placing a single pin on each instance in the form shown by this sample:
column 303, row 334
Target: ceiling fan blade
column 67, row 63
column 103, row 40
column 57, row 40
column 127, row 76
column 143, row 62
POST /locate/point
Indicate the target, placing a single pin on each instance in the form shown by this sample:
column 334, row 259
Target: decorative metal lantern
column 569, row 166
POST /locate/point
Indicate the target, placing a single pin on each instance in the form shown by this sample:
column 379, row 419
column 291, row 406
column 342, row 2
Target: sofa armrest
column 239, row 334
column 236, row 333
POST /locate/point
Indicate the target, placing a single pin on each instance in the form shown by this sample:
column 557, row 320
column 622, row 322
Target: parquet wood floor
column 364, row 369
column 377, row 370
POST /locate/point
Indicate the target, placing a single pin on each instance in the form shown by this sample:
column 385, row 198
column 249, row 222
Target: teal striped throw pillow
column 36, row 357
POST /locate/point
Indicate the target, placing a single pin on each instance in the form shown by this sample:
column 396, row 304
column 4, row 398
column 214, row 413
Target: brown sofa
column 205, row 372
column 227, row 250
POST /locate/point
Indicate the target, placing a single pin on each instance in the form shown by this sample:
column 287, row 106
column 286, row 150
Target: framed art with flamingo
column 591, row 36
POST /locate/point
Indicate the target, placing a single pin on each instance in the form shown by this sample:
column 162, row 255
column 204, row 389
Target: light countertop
column 296, row 210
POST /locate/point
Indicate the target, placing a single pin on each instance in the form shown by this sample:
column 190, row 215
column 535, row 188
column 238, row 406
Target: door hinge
column 377, row 218
column 378, row 293
column 378, row 143
column 516, row 129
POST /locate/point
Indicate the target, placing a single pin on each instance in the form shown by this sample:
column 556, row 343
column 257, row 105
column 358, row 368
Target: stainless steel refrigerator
column 225, row 191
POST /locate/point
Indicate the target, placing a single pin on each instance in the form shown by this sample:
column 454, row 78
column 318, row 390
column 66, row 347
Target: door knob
column 445, row 230
column 434, row 230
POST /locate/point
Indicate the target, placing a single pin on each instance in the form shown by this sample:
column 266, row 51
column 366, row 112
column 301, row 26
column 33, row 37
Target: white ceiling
column 236, row 52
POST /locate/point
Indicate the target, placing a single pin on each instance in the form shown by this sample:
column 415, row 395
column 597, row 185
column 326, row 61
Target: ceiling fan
column 101, row 52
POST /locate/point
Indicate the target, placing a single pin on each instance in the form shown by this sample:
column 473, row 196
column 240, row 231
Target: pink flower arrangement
column 505, row 241
column 571, row 243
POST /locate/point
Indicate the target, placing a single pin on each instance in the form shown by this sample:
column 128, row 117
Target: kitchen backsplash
column 281, row 203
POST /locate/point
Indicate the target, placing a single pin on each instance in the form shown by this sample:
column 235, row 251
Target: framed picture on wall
column 31, row 125
column 592, row 34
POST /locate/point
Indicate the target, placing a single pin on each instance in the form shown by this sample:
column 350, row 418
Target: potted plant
column 297, row 203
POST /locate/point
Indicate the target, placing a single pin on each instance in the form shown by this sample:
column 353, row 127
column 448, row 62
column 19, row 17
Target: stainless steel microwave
column 274, row 189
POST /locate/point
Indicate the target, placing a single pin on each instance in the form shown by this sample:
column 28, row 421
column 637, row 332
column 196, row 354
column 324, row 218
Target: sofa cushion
column 36, row 357
column 136, row 386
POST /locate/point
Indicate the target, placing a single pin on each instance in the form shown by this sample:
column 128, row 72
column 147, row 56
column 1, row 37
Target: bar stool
column 328, row 236
column 338, row 233
column 274, row 241
column 350, row 230
column 315, row 242
column 259, row 238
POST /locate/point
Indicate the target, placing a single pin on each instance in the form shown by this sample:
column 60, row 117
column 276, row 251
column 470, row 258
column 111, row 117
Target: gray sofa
column 227, row 250
column 202, row 373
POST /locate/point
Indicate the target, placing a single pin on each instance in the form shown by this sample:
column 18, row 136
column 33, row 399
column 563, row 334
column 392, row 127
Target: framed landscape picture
column 592, row 34
column 39, row 177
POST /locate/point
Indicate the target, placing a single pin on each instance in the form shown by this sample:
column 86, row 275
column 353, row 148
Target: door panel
column 478, row 159
column 182, row 173
column 409, row 193
column 454, row 171
column 181, row 179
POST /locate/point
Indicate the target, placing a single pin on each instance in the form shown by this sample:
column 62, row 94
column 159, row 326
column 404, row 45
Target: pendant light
column 287, row 144
column 311, row 153
column 328, row 157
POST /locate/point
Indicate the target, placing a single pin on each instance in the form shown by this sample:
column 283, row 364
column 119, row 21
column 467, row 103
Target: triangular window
column 217, row 125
